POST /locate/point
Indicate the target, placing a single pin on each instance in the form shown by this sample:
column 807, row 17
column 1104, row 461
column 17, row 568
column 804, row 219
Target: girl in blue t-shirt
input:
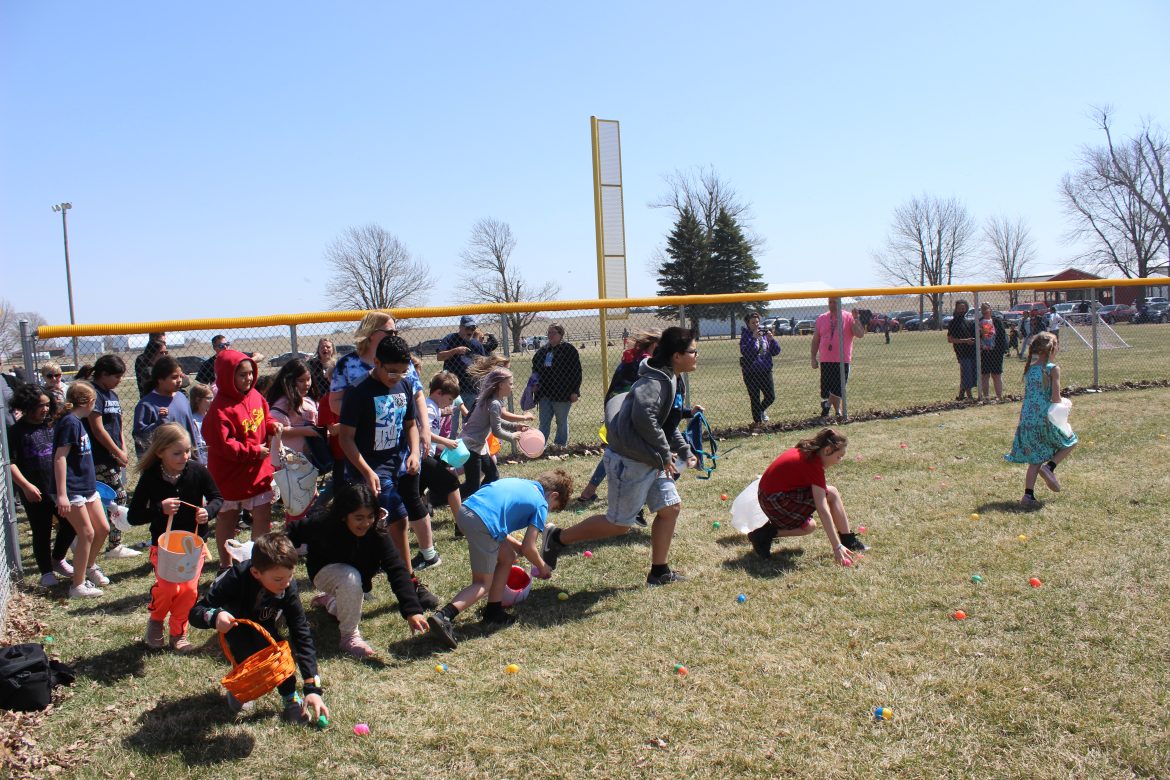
column 164, row 404
column 76, row 488
column 488, row 518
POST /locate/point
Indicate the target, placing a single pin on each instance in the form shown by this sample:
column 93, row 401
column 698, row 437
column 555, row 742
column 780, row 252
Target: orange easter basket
column 260, row 672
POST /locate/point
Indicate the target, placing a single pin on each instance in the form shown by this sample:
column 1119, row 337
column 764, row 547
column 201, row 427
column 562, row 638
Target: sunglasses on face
column 387, row 331
column 52, row 376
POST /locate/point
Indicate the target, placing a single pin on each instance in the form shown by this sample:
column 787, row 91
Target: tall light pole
column 63, row 208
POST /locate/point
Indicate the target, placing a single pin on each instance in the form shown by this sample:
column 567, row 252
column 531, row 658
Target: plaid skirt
column 788, row 509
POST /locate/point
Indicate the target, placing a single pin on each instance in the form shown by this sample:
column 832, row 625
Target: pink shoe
column 355, row 647
column 325, row 601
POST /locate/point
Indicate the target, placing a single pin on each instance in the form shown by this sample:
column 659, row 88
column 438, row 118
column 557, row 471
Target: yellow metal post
column 600, row 256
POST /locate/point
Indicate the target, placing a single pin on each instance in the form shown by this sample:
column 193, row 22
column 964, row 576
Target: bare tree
column 703, row 192
column 1122, row 234
column 371, row 269
column 1139, row 165
column 1008, row 249
column 929, row 244
column 9, row 329
column 492, row 278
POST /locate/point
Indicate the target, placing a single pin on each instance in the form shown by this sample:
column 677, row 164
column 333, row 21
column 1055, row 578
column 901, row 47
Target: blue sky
column 211, row 151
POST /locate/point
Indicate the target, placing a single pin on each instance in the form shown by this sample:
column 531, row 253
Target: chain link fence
column 10, row 566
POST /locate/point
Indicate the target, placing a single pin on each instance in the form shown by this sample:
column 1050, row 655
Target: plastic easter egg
column 977, row 578
column 883, row 713
column 562, row 596
column 361, row 729
column 974, row 515
column 1035, row 582
column 680, row 670
column 741, row 598
column 511, row 668
column 440, row 668
column 716, row 525
column 1022, row 537
column 723, row 497
column 587, row 554
column 959, row 615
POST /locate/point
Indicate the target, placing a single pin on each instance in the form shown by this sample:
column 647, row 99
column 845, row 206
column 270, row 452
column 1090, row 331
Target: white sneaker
column 63, row 569
column 85, row 590
column 94, row 575
column 121, row 551
column 49, row 579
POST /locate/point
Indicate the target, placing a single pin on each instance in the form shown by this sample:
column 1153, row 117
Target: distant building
column 1106, row 293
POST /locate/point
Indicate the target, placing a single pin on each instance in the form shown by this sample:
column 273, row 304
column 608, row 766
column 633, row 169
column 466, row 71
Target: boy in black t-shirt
column 377, row 415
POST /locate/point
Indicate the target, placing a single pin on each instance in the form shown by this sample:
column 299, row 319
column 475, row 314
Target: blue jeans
column 598, row 473
column 561, row 410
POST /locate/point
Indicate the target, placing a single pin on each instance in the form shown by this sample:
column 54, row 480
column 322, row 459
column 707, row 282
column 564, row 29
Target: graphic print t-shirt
column 110, row 408
column 32, row 452
column 378, row 414
column 79, row 472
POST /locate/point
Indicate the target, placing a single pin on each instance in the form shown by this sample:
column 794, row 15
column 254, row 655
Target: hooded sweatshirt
column 235, row 428
column 642, row 424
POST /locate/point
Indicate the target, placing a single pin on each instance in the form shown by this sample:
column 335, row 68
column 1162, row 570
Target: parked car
column 1065, row 309
column 1151, row 300
column 926, row 322
column 1117, row 312
column 280, row 360
column 805, row 327
column 1154, row 313
column 343, row 349
column 778, row 326
column 877, row 323
column 190, row 364
column 1012, row 318
column 428, row 347
column 1028, row 309
column 902, row 316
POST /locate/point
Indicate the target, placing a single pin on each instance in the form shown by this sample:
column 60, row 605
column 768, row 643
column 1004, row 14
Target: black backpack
column 27, row 677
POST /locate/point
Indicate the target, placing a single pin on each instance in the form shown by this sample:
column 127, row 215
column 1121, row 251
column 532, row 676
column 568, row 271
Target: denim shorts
column 633, row 485
column 391, row 501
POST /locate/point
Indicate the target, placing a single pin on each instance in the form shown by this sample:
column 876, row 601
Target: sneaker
column 764, row 417
column 550, row 550
column 63, row 569
column 294, row 710
column 94, row 575
column 121, row 551
column 501, row 620
column 355, row 646
column 49, row 579
column 640, row 520
column 235, row 705
column 418, row 562
column 1049, row 477
column 427, row 599
column 154, row 634
column 443, row 629
column 181, row 644
column 582, row 500
column 665, row 579
column 824, row 410
column 1030, row 502
column 853, row 543
column 761, row 540
column 85, row 590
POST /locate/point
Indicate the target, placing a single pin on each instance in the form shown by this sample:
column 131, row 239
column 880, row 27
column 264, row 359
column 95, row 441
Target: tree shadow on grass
column 783, row 560
column 115, row 664
column 1010, row 507
column 121, row 606
column 196, row 728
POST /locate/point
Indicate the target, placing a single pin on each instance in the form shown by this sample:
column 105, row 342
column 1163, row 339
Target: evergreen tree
column 684, row 270
column 732, row 268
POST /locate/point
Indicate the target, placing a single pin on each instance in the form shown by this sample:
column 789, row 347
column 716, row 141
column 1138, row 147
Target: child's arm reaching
column 516, row 418
column 530, row 549
column 494, row 414
column 840, row 552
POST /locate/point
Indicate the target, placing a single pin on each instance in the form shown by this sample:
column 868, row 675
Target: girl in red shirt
column 793, row 488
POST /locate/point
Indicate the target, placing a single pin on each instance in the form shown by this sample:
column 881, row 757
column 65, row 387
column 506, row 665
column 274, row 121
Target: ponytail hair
column 673, row 340
column 1041, row 344
column 826, row 438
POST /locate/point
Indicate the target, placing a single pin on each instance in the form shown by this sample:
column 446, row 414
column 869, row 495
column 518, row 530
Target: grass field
column 1067, row 680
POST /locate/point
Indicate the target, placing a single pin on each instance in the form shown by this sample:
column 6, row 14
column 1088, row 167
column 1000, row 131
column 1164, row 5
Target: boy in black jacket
column 348, row 546
column 260, row 590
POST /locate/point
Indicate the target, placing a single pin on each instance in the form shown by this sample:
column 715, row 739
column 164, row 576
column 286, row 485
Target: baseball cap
column 467, row 321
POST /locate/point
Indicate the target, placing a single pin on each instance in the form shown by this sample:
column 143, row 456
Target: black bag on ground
column 27, row 677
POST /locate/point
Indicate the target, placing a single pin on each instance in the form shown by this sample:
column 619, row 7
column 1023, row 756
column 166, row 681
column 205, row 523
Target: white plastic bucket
column 518, row 587
column 180, row 554
column 746, row 514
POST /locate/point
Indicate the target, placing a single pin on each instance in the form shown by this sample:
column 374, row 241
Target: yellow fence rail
column 353, row 315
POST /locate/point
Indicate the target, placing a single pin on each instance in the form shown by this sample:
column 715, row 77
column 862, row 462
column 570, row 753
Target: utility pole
column 64, row 208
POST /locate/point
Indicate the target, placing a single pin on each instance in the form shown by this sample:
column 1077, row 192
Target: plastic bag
column 1058, row 415
column 746, row 514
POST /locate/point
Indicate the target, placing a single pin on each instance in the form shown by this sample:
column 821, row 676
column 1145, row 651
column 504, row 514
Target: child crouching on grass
column 260, row 590
column 793, row 488
column 487, row 518
column 171, row 484
column 347, row 547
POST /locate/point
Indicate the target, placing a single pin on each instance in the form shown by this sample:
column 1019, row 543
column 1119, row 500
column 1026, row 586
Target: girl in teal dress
column 1038, row 442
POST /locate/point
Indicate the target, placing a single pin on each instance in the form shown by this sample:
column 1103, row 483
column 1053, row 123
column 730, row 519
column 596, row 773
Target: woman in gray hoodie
column 644, row 440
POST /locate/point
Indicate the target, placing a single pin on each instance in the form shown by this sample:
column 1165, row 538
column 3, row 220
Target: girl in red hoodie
column 237, row 428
